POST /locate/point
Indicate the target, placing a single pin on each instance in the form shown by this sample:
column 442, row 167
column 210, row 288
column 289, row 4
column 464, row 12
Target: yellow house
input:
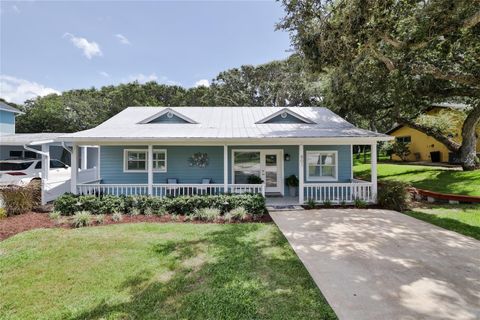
column 423, row 147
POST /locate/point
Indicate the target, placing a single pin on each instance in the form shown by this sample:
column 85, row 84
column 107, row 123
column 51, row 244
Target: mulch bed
column 10, row 226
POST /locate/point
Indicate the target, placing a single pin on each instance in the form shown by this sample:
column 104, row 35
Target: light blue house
column 163, row 151
column 7, row 118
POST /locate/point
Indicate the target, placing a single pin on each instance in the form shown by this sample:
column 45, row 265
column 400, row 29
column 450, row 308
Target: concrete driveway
column 379, row 264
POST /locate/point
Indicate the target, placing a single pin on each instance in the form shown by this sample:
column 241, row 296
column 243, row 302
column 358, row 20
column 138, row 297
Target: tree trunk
column 469, row 140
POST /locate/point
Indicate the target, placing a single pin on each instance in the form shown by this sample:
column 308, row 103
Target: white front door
column 272, row 170
column 266, row 164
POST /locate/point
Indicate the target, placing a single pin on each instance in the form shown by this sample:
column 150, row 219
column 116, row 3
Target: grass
column 464, row 219
column 156, row 271
column 424, row 177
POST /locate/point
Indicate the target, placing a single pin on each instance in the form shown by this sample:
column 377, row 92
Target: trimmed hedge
column 68, row 204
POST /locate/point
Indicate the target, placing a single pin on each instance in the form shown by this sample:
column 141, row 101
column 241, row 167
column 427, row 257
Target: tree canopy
column 391, row 58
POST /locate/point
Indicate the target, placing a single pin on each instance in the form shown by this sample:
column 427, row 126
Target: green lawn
column 425, row 177
column 156, row 271
column 464, row 219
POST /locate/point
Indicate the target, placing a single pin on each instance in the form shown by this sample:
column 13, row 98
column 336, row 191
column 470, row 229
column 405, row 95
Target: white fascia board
column 221, row 141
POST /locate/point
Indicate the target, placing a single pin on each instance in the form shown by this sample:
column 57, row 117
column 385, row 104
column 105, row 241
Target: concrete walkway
column 379, row 264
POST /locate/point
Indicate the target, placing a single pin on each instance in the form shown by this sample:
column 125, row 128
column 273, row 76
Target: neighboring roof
column 9, row 108
column 221, row 123
column 447, row 105
column 30, row 138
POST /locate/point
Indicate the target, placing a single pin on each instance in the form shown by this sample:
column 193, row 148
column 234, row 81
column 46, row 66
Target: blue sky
column 55, row 46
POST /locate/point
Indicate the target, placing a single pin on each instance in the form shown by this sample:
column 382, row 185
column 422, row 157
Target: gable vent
column 167, row 116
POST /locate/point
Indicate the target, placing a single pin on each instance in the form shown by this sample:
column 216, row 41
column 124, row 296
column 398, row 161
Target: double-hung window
column 322, row 165
column 136, row 160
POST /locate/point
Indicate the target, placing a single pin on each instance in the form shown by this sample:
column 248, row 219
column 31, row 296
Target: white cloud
column 104, row 74
column 142, row 78
column 18, row 90
column 122, row 39
column 15, row 8
column 202, row 83
column 90, row 48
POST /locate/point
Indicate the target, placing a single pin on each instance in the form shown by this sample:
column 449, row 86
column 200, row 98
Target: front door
column 266, row 164
column 271, row 170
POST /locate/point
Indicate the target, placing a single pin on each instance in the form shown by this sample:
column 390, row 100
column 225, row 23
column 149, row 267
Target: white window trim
column 309, row 152
column 125, row 160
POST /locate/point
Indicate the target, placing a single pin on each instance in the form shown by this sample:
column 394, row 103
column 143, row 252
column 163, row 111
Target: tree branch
column 449, row 143
column 472, row 21
column 438, row 74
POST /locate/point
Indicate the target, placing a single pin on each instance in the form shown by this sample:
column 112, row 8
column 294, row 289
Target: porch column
column 225, row 169
column 300, row 174
column 98, row 162
column 83, row 158
column 45, row 161
column 150, row 170
column 373, row 169
column 74, row 169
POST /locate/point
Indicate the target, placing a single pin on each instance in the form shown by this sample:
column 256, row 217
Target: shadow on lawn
column 447, row 223
column 226, row 274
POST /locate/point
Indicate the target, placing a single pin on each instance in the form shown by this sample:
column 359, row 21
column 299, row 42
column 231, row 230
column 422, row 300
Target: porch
column 226, row 169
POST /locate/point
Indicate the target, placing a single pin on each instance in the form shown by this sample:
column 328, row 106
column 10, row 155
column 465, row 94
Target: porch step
column 274, row 208
column 273, row 194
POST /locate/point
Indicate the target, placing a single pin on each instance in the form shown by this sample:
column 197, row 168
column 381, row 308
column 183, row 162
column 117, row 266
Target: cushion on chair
column 172, row 181
column 206, row 181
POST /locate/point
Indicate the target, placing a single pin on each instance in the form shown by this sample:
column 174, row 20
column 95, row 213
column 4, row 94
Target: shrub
column 310, row 203
column 292, row 181
column 82, row 219
column 253, row 179
column 17, row 200
column 236, row 214
column 327, row 203
column 359, row 203
column 54, row 215
column 394, row 195
column 100, row 218
column 207, row 214
column 117, row 217
column 67, row 204
column 135, row 211
column 3, row 213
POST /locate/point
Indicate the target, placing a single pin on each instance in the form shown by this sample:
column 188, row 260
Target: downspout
column 66, row 148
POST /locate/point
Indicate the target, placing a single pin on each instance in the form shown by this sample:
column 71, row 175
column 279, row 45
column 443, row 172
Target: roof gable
column 285, row 116
column 168, row 115
column 9, row 108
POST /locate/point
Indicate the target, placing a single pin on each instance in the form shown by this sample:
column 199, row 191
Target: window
column 16, row 154
column 14, row 166
column 322, row 165
column 30, row 154
column 246, row 164
column 136, row 160
column 55, row 164
column 405, row 139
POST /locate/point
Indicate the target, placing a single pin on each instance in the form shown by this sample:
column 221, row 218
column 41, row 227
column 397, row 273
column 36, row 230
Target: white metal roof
column 222, row 123
column 30, row 138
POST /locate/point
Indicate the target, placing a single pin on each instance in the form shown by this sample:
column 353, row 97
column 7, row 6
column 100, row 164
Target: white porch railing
column 170, row 190
column 339, row 192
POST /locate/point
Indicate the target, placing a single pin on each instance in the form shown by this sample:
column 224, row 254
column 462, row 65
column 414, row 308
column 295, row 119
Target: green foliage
column 401, row 149
column 207, row 214
column 310, row 203
column 82, row 219
column 117, row 217
column 253, row 203
column 3, row 213
column 327, row 203
column 17, row 200
column 67, row 204
column 100, row 218
column 359, row 203
column 394, row 195
column 254, row 179
column 236, row 214
column 55, row 215
column 292, row 181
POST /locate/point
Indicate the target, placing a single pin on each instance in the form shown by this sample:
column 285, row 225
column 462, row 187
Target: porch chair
column 204, row 190
column 172, row 191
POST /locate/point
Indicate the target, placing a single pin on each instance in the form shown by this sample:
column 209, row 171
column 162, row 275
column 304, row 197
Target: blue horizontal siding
column 7, row 122
column 165, row 119
column 288, row 119
column 111, row 165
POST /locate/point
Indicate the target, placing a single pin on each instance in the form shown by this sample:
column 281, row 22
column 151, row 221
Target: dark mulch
column 10, row 226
